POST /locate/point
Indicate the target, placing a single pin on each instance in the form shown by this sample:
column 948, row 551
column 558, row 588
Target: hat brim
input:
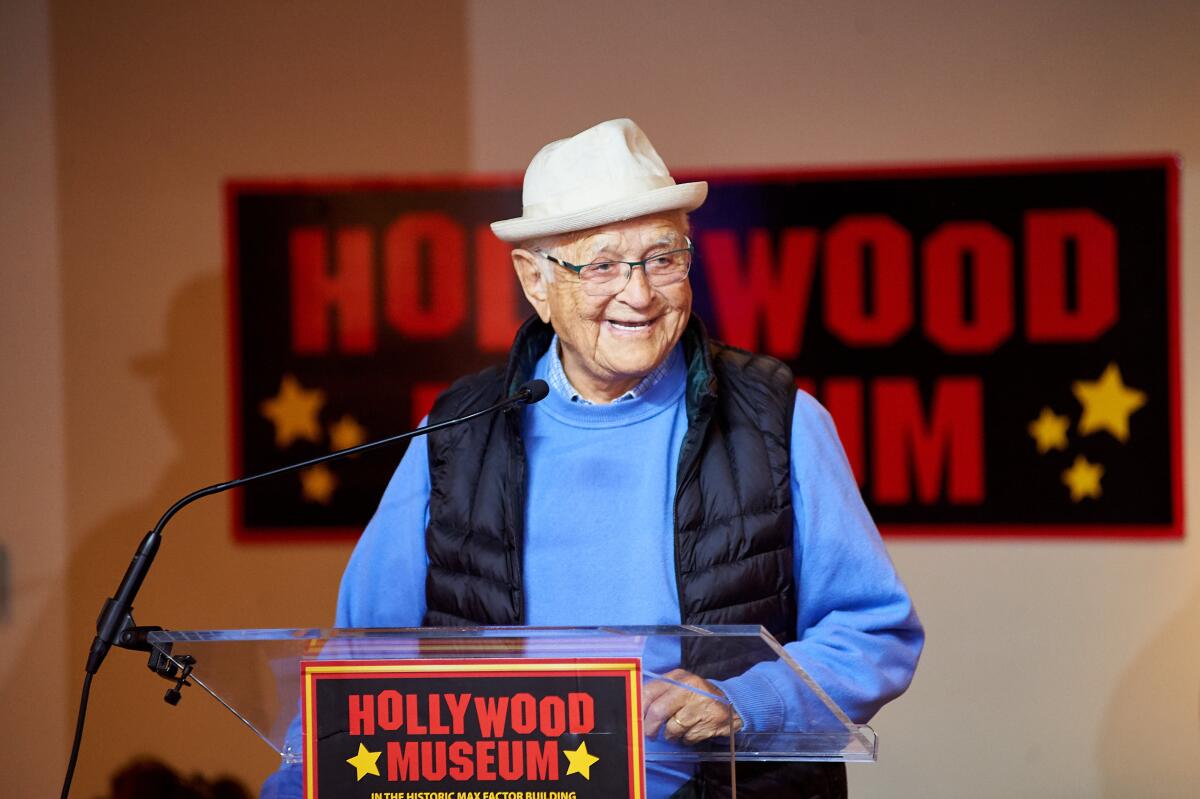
column 682, row 197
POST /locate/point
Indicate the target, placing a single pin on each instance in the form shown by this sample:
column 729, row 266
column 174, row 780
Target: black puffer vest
column 733, row 509
column 733, row 515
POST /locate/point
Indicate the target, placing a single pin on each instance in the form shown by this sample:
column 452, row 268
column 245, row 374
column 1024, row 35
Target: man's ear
column 533, row 283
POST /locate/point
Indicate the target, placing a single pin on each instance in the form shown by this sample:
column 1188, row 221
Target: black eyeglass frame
column 627, row 274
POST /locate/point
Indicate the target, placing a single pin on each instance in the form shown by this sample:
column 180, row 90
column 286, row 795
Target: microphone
column 535, row 389
column 115, row 625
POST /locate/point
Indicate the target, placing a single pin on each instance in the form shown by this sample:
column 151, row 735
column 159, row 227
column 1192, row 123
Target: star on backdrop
column 346, row 433
column 1083, row 478
column 294, row 411
column 1049, row 430
column 317, row 483
column 1107, row 403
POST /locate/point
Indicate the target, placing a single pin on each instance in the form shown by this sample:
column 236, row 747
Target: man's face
column 610, row 343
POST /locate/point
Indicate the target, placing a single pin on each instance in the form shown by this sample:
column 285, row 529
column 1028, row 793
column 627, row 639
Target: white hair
column 548, row 245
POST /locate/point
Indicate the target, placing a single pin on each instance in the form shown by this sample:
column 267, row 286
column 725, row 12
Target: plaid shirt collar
column 562, row 386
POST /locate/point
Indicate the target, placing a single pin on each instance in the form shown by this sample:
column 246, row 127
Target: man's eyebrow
column 600, row 243
column 665, row 240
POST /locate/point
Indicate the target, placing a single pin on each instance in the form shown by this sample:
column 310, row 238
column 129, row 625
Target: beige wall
column 1047, row 662
column 33, row 529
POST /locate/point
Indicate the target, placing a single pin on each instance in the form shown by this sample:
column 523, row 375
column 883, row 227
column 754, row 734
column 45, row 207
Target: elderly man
column 666, row 478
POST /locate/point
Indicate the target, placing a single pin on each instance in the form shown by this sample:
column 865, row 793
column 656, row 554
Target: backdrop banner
column 998, row 344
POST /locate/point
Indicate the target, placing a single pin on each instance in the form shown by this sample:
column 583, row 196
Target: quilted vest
column 733, row 509
column 733, row 520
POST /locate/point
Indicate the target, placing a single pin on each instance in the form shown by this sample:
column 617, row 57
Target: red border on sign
column 627, row 668
column 972, row 532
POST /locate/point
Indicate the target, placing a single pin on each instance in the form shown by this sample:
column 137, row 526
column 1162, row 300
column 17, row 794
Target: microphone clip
column 172, row 668
column 173, row 695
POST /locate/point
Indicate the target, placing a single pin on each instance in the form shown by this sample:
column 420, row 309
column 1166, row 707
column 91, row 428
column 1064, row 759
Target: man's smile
column 630, row 325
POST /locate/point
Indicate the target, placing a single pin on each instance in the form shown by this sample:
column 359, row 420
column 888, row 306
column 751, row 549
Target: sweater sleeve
column 384, row 582
column 857, row 634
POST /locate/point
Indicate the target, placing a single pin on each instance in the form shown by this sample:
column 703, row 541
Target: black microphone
column 536, row 389
column 115, row 624
column 114, row 615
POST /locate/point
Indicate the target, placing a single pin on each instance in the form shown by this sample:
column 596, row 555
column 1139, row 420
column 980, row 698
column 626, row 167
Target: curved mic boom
column 115, row 624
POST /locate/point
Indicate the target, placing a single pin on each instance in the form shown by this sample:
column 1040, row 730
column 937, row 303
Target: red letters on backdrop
column 319, row 291
column 424, row 286
column 911, row 449
column 761, row 301
column 425, row 275
column 954, row 250
column 776, row 292
column 865, row 311
column 1052, row 313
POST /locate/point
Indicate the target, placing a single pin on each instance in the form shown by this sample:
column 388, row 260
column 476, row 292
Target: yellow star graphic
column 346, row 433
column 317, row 484
column 1107, row 403
column 1083, row 478
column 1049, row 430
column 580, row 761
column 294, row 412
column 365, row 762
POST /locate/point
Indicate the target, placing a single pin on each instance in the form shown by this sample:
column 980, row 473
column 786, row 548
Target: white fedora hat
column 608, row 173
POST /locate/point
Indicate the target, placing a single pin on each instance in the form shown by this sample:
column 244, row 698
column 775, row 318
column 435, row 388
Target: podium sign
column 521, row 728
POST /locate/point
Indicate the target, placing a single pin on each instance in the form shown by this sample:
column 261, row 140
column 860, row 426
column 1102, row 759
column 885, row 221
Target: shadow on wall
column 187, row 380
column 1140, row 750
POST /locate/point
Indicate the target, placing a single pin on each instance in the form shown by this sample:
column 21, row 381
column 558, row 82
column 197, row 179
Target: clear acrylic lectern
column 258, row 675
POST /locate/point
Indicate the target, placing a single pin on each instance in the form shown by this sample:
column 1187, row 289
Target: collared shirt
column 562, row 386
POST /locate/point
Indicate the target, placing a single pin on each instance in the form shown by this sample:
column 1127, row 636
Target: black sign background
column 609, row 776
column 1023, row 490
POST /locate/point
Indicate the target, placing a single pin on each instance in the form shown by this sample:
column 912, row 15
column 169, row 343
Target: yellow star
column 580, row 761
column 1083, row 478
column 365, row 762
column 1049, row 430
column 294, row 412
column 346, row 433
column 318, row 483
column 1107, row 403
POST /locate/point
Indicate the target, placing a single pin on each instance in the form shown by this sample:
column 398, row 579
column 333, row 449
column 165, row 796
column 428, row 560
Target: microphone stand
column 115, row 625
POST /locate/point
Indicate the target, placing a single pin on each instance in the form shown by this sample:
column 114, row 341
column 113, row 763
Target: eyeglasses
column 605, row 278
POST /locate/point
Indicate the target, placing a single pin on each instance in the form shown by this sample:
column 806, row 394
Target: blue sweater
column 599, row 550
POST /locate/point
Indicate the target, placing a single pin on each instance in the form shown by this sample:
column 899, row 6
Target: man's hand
column 683, row 715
